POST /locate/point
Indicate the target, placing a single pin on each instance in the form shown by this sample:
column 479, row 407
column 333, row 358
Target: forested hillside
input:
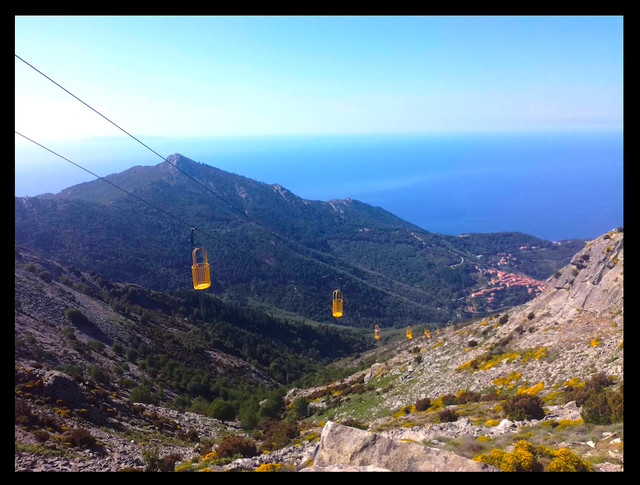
column 392, row 272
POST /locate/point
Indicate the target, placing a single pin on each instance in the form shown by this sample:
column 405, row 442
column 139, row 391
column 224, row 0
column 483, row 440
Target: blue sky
column 247, row 76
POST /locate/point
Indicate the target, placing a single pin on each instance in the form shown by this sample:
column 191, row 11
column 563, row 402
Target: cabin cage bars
column 337, row 303
column 200, row 271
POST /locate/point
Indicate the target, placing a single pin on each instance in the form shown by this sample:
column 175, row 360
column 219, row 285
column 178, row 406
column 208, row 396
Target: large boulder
column 58, row 385
column 351, row 447
column 344, row 468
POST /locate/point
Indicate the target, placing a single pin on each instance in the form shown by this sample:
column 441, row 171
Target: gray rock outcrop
column 350, row 447
column 58, row 385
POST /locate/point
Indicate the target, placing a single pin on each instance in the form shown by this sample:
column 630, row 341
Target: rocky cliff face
column 591, row 284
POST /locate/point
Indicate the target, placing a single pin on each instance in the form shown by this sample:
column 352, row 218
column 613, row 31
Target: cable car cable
column 146, row 202
column 164, row 159
column 156, row 153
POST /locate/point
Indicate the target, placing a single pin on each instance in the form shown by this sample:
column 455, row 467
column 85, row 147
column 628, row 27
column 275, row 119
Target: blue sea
column 551, row 184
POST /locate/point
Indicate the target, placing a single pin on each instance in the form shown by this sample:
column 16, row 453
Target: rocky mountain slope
column 451, row 392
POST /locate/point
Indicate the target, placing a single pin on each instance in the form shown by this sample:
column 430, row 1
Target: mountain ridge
column 388, row 262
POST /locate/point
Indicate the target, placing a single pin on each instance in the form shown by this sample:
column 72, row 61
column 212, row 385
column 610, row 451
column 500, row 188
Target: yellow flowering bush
column 405, row 410
column 184, row 466
column 565, row 423
column 210, row 456
column 269, row 467
column 464, row 366
column 437, row 345
column 532, row 391
column 503, row 381
column 551, row 397
column 525, row 459
column 436, row 404
column 567, row 461
column 595, row 342
column 571, row 382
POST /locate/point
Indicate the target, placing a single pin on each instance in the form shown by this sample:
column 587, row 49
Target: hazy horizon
column 542, row 183
column 289, row 99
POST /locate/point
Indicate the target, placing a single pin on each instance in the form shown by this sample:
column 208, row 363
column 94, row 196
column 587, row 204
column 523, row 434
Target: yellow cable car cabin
column 409, row 334
column 377, row 332
column 200, row 271
column 337, row 303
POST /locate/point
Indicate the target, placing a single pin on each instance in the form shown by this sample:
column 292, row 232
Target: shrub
column 80, row 437
column 278, row 434
column 143, row 395
column 353, row 423
column 126, row 382
column 248, row 415
column 45, row 276
column 423, row 404
column 76, row 316
column 151, row 459
column 269, row 409
column 596, row 409
column 615, row 400
column 503, row 319
column 523, row 406
column 131, row 355
column 71, row 370
column 182, row 402
column 449, row 399
column 468, row 396
column 598, row 382
column 199, row 405
column 96, row 345
column 472, row 343
column 222, row 410
column 196, row 388
column 41, row 436
column 117, row 348
column 578, row 394
column 300, row 408
column 235, row 445
column 491, row 396
column 31, row 268
column 168, row 462
column 595, row 385
column 192, row 435
column 531, row 316
column 448, row 415
column 23, row 412
column 98, row 375
column 69, row 332
column 76, row 345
